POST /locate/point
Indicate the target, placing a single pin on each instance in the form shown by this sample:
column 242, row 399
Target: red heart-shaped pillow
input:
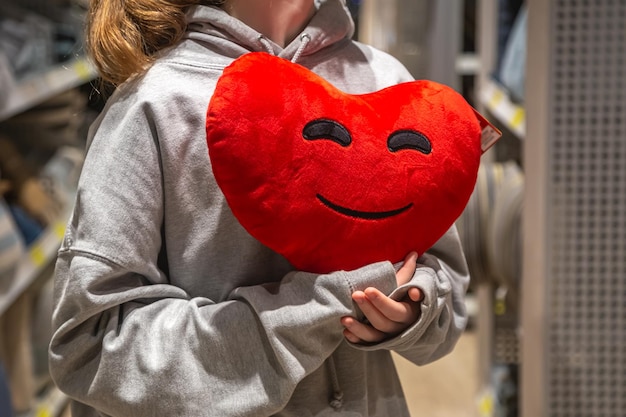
column 336, row 181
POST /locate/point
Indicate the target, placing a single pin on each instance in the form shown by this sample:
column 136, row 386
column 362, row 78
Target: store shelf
column 37, row 88
column 467, row 64
column 37, row 258
column 497, row 100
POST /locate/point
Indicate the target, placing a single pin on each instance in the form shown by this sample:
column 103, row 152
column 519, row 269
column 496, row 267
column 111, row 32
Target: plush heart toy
column 334, row 181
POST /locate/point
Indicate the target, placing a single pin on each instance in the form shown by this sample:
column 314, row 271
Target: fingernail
column 358, row 297
column 372, row 294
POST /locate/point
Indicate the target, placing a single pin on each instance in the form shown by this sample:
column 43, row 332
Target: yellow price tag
column 43, row 412
column 518, row 118
column 81, row 68
column 496, row 98
column 37, row 256
column 485, row 406
column 59, row 230
column 499, row 308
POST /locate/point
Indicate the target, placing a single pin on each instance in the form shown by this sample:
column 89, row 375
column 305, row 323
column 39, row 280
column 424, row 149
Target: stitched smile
column 367, row 215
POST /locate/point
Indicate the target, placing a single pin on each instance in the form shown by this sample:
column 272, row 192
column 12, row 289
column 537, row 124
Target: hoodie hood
column 211, row 25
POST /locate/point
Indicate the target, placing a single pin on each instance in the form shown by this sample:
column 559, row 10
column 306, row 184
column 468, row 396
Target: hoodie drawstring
column 337, row 401
column 304, row 41
column 266, row 44
column 305, row 38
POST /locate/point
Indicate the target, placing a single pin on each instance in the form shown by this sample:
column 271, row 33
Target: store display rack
column 29, row 92
column 24, row 93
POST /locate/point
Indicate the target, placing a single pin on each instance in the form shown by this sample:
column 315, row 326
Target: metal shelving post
column 574, row 266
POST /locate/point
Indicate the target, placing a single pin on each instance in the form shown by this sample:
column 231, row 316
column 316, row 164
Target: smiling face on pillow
column 334, row 181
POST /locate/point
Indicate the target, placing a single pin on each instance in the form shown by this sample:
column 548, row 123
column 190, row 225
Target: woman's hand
column 385, row 317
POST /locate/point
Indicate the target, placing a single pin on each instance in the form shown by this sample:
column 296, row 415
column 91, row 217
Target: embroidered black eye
column 327, row 129
column 409, row 139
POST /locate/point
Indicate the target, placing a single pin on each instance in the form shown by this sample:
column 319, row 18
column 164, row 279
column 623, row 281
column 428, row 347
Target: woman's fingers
column 384, row 314
column 384, row 308
column 357, row 332
column 415, row 294
column 406, row 271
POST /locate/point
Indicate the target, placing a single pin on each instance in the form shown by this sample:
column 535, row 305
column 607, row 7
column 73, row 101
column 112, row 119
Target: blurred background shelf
column 38, row 257
column 50, row 404
column 37, row 88
column 498, row 102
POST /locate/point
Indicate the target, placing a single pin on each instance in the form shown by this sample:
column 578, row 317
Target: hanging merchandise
column 474, row 221
column 504, row 240
column 507, row 13
column 512, row 71
column 490, row 224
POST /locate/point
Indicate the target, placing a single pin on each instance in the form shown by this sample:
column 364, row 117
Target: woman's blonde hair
column 123, row 35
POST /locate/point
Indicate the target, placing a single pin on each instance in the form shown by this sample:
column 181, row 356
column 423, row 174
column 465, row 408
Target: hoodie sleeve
column 442, row 276
column 129, row 348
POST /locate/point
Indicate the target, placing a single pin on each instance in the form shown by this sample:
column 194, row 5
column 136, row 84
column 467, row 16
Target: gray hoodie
column 166, row 306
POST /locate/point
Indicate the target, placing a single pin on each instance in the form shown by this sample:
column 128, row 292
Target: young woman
column 165, row 306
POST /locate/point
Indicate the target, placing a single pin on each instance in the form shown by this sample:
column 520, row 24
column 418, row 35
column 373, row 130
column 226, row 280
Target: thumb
column 415, row 294
column 405, row 273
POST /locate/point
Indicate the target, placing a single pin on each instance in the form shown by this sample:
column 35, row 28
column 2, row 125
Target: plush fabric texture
column 334, row 181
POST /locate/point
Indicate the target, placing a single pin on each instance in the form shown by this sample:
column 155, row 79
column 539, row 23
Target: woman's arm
column 127, row 347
